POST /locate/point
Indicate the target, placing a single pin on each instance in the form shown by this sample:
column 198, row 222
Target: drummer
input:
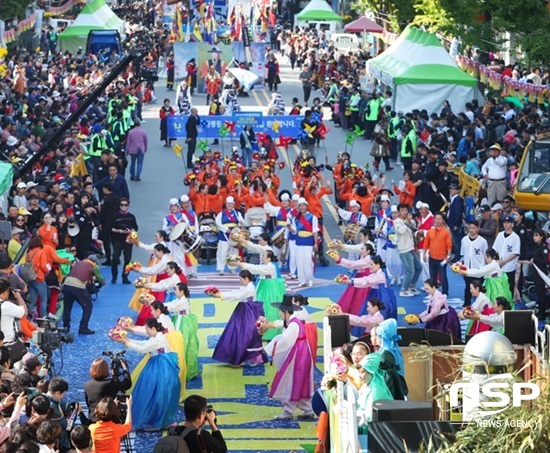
column 192, row 225
column 226, row 220
column 281, row 210
column 355, row 216
column 172, row 219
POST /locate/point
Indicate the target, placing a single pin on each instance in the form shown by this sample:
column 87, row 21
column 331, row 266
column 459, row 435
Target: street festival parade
column 274, row 226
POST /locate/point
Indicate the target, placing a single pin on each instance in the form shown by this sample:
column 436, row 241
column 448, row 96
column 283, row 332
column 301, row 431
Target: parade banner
column 231, row 126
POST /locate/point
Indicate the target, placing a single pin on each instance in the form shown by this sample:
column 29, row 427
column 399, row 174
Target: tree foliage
column 475, row 22
column 14, row 8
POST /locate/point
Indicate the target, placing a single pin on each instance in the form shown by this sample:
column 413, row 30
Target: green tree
column 479, row 22
column 398, row 13
column 14, row 8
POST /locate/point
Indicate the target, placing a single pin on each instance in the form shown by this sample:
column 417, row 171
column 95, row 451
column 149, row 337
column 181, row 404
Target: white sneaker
column 406, row 294
column 221, row 272
column 310, row 283
column 302, row 285
column 284, row 416
column 414, row 291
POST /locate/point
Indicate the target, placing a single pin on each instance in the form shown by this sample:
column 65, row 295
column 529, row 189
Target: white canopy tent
column 422, row 74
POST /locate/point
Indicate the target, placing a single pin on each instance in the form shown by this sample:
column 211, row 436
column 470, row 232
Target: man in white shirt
column 472, row 252
column 10, row 313
column 404, row 230
column 494, row 173
column 508, row 246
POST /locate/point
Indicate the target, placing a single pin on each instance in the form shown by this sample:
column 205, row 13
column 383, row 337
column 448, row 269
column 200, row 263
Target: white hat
column 353, row 203
column 285, row 197
column 184, row 199
column 302, row 200
column 21, row 185
column 295, row 197
column 31, row 184
column 12, row 141
column 384, row 198
column 174, row 201
column 235, row 148
column 393, row 208
column 56, row 94
column 230, row 200
column 496, row 207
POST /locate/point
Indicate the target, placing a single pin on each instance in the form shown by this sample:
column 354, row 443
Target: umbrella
column 363, row 25
column 246, row 78
column 514, row 100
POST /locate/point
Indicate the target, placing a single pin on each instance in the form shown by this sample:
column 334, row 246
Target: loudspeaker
column 520, row 326
column 411, row 335
column 401, row 411
column 406, row 437
column 438, row 338
column 339, row 330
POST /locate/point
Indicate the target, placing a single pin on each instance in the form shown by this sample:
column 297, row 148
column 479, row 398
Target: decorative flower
column 146, row 299
column 328, row 382
column 234, row 258
column 124, row 321
column 333, row 254
column 411, row 319
column 141, row 282
column 132, row 266
column 132, row 237
column 458, row 266
column 333, row 309
column 260, row 323
column 342, row 278
column 337, row 364
column 468, row 311
column 334, row 244
column 211, row 290
column 117, row 333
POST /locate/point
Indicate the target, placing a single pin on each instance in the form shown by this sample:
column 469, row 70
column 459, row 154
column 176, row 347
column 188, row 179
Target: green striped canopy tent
column 94, row 16
column 422, row 74
column 318, row 10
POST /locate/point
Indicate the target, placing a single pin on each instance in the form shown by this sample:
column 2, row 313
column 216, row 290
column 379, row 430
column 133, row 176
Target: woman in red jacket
column 407, row 193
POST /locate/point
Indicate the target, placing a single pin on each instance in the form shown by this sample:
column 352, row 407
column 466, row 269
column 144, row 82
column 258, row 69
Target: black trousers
column 511, row 281
column 118, row 249
column 82, row 297
column 191, row 145
column 542, row 299
column 106, row 238
column 307, row 93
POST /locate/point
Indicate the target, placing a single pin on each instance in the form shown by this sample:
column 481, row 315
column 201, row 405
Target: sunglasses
column 124, row 204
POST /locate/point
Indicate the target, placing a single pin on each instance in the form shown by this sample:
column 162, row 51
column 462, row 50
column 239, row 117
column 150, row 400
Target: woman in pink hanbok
column 293, row 383
column 353, row 297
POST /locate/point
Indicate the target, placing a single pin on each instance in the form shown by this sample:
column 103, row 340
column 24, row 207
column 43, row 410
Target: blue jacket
column 456, row 211
column 120, row 188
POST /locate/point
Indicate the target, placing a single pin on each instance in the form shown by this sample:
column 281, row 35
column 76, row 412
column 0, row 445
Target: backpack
column 171, row 444
column 27, row 272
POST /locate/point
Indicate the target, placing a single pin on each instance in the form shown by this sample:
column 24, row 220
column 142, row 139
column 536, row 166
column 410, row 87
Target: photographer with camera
column 107, row 432
column 102, row 384
column 33, row 368
column 74, row 289
column 60, row 410
column 197, row 414
column 9, row 314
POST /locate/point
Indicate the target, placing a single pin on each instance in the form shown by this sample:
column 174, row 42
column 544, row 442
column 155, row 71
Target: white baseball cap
column 295, row 197
column 31, row 184
column 384, row 198
column 174, row 201
column 302, row 200
column 353, row 203
column 21, row 185
column 494, row 208
column 230, row 200
column 184, row 198
column 394, row 208
column 285, row 197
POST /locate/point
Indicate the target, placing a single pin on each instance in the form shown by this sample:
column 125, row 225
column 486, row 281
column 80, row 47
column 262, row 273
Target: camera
column 52, row 337
column 209, row 409
column 117, row 359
